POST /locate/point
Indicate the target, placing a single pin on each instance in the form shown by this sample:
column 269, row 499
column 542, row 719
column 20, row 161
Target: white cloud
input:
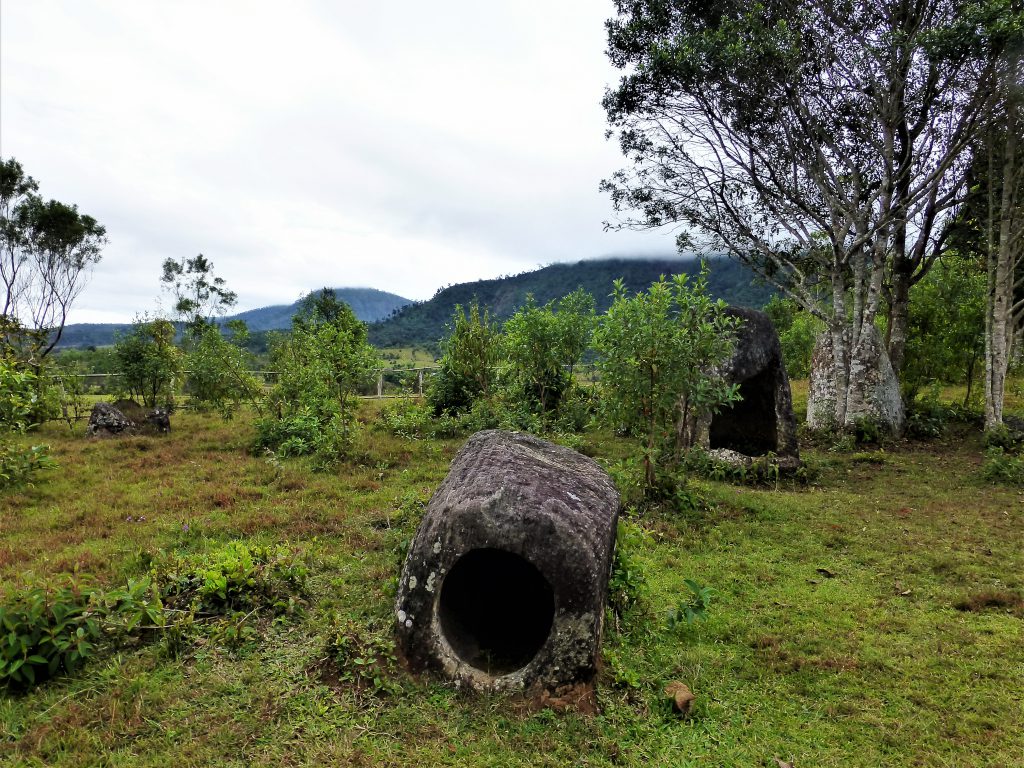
column 402, row 147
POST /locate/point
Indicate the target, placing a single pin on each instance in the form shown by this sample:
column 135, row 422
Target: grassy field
column 871, row 618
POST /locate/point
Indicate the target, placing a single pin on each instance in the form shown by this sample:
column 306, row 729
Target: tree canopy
column 47, row 249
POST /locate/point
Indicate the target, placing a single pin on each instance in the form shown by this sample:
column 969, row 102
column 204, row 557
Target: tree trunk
column 1001, row 268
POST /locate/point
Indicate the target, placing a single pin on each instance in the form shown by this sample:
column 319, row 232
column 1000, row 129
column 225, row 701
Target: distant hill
column 369, row 305
column 425, row 323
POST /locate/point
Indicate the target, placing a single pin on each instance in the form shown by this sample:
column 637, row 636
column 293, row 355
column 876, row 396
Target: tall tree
column 821, row 142
column 199, row 295
column 47, row 249
column 1000, row 166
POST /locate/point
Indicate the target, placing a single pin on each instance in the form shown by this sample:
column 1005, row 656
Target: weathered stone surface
column 875, row 396
column 763, row 421
column 147, row 421
column 106, row 420
column 126, row 417
column 504, row 585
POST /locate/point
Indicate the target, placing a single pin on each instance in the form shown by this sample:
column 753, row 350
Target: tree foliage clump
column 658, row 354
column 541, row 347
column 469, row 356
column 47, row 249
column 219, row 370
column 22, row 406
column 798, row 331
column 946, row 343
column 321, row 365
column 149, row 364
column 199, row 296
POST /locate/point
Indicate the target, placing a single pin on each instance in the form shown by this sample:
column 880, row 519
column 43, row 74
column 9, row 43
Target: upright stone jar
column 504, row 585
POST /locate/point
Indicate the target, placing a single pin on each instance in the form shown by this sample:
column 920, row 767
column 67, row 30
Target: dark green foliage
column 423, row 323
column 946, row 331
column 321, row 366
column 149, row 363
column 24, row 402
column 218, row 370
column 466, row 369
column 235, row 577
column 798, row 330
column 45, row 631
column 626, row 582
column 540, row 348
column 1003, row 467
column 658, row 353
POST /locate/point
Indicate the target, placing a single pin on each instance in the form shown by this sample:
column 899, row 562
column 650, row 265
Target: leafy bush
column 468, row 356
column 19, row 465
column 149, row 363
column 798, row 330
column 658, row 354
column 22, row 402
column 44, row 631
column 364, row 657
column 540, row 348
column 25, row 400
column 321, row 365
column 626, row 581
column 409, row 419
column 236, row 577
column 218, row 370
column 1003, row 467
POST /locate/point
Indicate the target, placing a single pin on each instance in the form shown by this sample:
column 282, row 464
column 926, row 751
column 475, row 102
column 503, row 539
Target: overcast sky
column 402, row 146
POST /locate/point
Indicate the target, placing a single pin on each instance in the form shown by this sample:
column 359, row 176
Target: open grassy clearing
column 834, row 640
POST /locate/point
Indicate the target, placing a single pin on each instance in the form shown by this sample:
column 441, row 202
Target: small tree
column 469, row 356
column 658, row 354
column 542, row 346
column 148, row 362
column 199, row 296
column 218, row 370
column 321, row 366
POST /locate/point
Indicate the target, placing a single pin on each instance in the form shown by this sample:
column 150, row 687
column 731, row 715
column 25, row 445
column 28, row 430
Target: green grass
column 834, row 638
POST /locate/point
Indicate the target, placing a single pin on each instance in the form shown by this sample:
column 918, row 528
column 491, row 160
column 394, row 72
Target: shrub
column 22, row 402
column 626, row 581
column 44, row 630
column 468, row 356
column 321, row 365
column 1002, row 467
column 218, row 370
column 149, row 363
column 238, row 576
column 658, row 354
column 364, row 657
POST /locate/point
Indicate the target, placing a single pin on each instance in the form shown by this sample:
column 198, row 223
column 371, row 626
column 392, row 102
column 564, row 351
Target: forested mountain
column 369, row 305
column 424, row 323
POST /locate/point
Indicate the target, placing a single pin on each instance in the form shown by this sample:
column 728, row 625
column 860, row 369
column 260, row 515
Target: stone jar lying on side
column 504, row 585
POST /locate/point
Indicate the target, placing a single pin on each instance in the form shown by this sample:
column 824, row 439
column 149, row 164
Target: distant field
column 835, row 638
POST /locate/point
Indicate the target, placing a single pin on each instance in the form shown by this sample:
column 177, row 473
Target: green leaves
column 692, row 607
column 659, row 351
